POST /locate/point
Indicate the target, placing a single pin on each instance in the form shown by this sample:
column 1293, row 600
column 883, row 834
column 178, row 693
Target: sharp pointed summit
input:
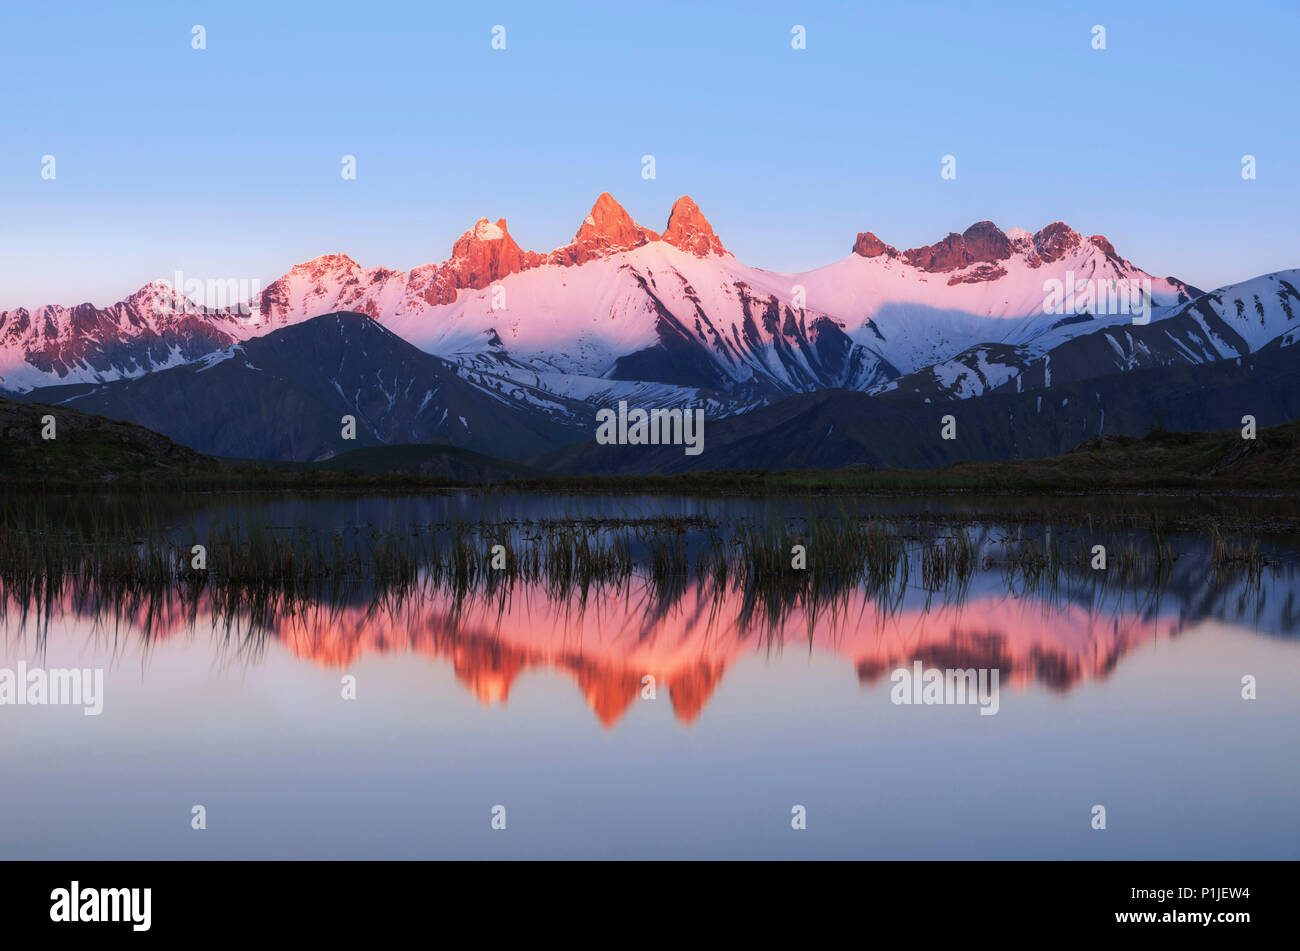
column 624, row 312
column 608, row 228
column 689, row 230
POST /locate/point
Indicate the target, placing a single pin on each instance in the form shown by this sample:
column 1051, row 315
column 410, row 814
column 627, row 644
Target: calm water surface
column 1123, row 695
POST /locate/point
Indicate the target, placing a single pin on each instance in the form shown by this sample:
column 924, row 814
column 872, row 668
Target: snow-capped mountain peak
column 622, row 311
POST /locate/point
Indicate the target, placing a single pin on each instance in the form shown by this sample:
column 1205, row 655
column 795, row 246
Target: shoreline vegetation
column 109, row 513
column 112, row 553
column 94, row 452
column 261, row 581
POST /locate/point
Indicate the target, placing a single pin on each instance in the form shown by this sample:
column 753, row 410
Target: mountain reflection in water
column 772, row 685
column 609, row 637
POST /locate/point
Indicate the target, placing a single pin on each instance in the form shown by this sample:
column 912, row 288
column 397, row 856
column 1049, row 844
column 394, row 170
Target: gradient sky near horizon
column 225, row 162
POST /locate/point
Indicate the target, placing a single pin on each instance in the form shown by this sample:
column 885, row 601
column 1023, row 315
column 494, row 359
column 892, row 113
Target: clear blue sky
column 225, row 162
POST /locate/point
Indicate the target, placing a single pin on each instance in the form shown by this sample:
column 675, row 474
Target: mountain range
column 511, row 353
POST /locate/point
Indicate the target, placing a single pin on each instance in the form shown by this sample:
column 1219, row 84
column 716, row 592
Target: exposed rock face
column 329, row 280
column 985, row 241
column 328, row 268
column 985, row 244
column 981, row 242
column 869, row 246
column 689, row 230
column 746, row 344
column 153, row 327
column 487, row 253
column 158, row 326
column 319, row 267
column 606, row 230
column 483, row 254
column 941, row 256
column 1099, row 241
column 1053, row 243
column 975, row 256
column 985, row 272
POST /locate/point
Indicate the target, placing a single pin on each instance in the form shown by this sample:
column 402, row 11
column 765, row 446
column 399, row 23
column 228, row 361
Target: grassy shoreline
column 774, row 563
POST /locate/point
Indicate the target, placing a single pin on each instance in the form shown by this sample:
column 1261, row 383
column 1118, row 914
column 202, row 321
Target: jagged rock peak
column 869, row 246
column 689, row 230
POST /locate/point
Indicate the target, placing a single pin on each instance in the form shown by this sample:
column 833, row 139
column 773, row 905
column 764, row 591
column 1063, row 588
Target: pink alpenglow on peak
column 606, row 230
column 982, row 242
column 689, row 230
column 869, row 246
column 325, row 263
column 621, row 309
column 486, row 253
column 1053, row 243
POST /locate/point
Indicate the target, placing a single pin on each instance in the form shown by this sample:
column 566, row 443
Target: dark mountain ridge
column 283, row 396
